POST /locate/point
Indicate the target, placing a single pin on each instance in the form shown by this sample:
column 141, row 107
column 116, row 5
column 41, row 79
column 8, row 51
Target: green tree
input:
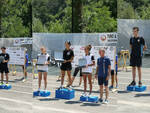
column 16, row 18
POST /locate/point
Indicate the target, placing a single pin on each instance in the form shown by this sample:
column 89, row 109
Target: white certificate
column 41, row 60
column 82, row 62
column 1, row 59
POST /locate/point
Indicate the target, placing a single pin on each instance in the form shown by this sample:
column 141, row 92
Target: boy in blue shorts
column 103, row 72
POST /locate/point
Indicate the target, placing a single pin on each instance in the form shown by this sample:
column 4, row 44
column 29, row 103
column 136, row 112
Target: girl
column 87, row 71
column 43, row 69
column 68, row 56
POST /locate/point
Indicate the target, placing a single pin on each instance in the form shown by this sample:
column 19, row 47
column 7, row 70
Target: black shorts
column 102, row 81
column 113, row 72
column 135, row 61
column 66, row 67
column 4, row 70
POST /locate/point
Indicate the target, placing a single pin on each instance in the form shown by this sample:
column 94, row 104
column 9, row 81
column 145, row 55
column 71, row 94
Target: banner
column 17, row 55
column 22, row 41
column 110, row 52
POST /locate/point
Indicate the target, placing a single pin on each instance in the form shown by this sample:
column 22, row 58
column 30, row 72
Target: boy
column 4, row 65
column 103, row 72
column 137, row 45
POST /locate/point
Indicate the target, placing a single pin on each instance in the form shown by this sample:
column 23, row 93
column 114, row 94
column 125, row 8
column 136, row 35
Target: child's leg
column 45, row 79
column 39, row 79
column 90, row 82
column 6, row 78
column 101, row 91
column 112, row 80
column 107, row 92
column 85, row 83
column 62, row 77
column 69, row 78
column 2, row 77
column 80, row 80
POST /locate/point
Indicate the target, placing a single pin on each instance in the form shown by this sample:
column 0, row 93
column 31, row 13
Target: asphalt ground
column 19, row 99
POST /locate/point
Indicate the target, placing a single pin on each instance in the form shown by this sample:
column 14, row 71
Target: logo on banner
column 103, row 38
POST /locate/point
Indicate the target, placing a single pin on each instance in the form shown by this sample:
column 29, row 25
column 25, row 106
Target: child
column 43, row 69
column 103, row 72
column 66, row 66
column 87, row 71
column 4, row 65
column 26, row 65
column 114, row 77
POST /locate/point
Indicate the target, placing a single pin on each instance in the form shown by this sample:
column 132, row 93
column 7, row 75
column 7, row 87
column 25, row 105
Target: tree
column 16, row 18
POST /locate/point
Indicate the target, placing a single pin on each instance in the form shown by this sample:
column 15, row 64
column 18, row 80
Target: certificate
column 1, row 59
column 41, row 60
column 82, row 62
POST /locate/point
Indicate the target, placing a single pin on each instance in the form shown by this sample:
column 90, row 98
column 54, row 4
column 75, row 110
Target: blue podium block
column 140, row 89
column 65, row 94
column 130, row 88
column 41, row 93
column 4, row 86
column 36, row 93
column 45, row 94
column 84, row 98
column 93, row 99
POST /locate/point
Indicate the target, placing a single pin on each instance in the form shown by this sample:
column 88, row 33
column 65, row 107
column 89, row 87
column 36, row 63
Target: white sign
column 108, row 38
column 110, row 52
column 17, row 55
column 22, row 41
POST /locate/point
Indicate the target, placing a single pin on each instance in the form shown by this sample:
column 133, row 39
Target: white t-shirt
column 43, row 67
column 89, row 58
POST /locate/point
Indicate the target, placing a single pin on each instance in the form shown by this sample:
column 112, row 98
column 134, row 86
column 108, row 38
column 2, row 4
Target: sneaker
column 61, row 87
column 116, row 86
column 111, row 87
column 140, row 84
column 84, row 94
column 106, row 101
column 70, row 87
column 101, row 100
column 133, row 83
column 89, row 95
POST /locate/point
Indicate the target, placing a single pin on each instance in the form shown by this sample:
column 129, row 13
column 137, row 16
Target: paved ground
column 19, row 98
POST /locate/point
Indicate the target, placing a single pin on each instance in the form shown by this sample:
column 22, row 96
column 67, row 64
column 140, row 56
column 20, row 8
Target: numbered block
column 130, row 88
column 65, row 93
column 84, row 98
column 41, row 93
column 140, row 89
column 93, row 99
column 4, row 86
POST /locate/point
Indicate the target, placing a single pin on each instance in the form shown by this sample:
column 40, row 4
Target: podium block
column 130, row 88
column 140, row 89
column 84, row 98
column 41, row 93
column 93, row 99
column 65, row 93
column 4, row 86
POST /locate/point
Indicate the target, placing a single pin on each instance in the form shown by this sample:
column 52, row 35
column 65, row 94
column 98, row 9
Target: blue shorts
column 102, row 81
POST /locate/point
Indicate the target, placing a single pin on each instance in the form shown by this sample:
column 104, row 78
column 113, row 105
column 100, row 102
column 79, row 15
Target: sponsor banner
column 17, row 55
